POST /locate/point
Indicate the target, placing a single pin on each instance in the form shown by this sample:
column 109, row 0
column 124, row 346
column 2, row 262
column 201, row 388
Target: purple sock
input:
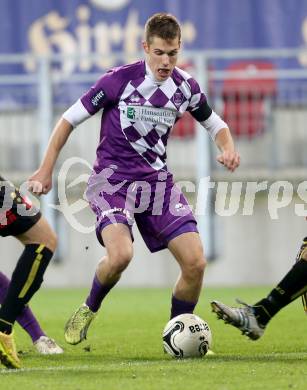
column 30, row 324
column 26, row 319
column 181, row 307
column 97, row 294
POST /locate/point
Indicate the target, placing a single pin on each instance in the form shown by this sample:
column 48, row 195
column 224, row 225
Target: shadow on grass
column 292, row 357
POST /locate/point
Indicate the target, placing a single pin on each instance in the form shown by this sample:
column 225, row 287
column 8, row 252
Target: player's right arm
column 41, row 181
column 94, row 100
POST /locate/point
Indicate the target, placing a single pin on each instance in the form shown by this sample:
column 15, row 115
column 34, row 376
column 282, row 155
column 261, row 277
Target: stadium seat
column 245, row 100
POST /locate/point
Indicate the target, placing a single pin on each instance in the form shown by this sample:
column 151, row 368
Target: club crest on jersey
column 97, row 98
column 177, row 98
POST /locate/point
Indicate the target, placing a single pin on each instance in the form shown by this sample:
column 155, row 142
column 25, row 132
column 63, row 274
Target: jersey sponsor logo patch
column 131, row 113
column 97, row 98
column 151, row 115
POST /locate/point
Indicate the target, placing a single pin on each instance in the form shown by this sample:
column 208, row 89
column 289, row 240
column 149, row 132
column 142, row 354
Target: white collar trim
column 150, row 74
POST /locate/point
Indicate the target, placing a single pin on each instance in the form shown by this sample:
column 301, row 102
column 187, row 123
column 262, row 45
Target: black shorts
column 11, row 222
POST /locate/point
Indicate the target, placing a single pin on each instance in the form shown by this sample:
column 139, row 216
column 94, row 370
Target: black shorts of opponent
column 11, row 222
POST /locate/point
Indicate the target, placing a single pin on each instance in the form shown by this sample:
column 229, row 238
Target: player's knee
column 200, row 265
column 51, row 241
column 120, row 258
column 41, row 233
column 195, row 267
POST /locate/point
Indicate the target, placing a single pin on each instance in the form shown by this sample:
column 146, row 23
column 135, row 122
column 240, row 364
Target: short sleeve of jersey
column 198, row 105
column 105, row 92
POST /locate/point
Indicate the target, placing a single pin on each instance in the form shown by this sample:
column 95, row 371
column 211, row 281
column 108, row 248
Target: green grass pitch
column 124, row 348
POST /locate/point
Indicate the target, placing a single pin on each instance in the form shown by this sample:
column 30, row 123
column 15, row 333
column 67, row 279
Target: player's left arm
column 219, row 132
column 229, row 157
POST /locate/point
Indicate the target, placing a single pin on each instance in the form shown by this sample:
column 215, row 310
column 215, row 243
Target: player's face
column 162, row 56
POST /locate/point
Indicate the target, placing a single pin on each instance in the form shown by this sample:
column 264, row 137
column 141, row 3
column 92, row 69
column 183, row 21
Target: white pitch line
column 6, row 371
column 132, row 364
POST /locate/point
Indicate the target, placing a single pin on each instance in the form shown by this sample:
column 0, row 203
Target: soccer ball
column 187, row 336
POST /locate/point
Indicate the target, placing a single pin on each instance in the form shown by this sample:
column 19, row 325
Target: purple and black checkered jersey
column 138, row 114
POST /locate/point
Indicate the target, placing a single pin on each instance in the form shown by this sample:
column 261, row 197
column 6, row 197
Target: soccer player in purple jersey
column 140, row 103
column 39, row 241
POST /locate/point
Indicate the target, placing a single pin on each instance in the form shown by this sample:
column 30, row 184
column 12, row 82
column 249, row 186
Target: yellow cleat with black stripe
column 8, row 353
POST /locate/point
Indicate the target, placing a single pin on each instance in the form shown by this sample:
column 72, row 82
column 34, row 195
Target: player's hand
column 230, row 160
column 40, row 182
